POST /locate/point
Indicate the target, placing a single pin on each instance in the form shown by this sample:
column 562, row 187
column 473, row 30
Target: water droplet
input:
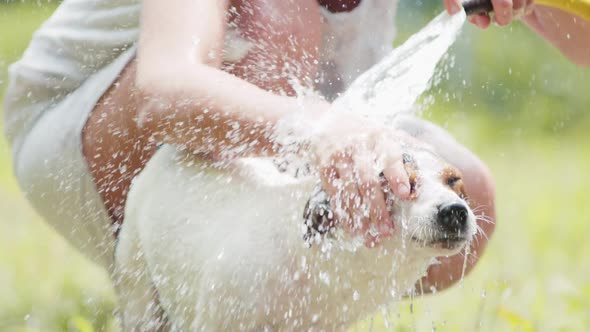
column 325, row 278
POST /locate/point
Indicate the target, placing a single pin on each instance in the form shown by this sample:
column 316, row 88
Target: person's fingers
column 372, row 241
column 518, row 4
column 453, row 6
column 333, row 184
column 502, row 12
column 397, row 177
column 329, row 178
column 530, row 6
column 373, row 197
column 350, row 198
column 518, row 9
column 482, row 20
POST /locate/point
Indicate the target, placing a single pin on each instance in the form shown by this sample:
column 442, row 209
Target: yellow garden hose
column 580, row 8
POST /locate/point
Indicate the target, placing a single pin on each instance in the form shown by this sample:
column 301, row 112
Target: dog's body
column 224, row 249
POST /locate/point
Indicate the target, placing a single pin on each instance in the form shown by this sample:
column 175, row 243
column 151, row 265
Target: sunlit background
column 512, row 99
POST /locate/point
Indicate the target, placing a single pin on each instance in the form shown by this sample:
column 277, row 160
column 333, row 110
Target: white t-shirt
column 79, row 39
column 77, row 54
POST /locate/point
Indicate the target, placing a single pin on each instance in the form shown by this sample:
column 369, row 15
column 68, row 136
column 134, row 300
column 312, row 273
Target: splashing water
column 397, row 81
column 465, row 258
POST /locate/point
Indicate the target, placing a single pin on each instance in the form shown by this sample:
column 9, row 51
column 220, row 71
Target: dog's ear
column 318, row 216
column 453, row 178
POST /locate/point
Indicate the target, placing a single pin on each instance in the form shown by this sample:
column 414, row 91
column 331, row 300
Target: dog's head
column 437, row 219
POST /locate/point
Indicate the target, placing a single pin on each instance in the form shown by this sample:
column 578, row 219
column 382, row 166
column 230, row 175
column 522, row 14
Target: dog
column 248, row 247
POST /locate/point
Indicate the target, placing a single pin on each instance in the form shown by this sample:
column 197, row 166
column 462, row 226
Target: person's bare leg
column 480, row 189
column 114, row 146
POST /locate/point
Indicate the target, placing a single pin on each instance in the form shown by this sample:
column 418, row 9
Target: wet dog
column 247, row 247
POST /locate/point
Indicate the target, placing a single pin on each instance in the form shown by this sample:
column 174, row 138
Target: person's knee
column 481, row 192
column 482, row 179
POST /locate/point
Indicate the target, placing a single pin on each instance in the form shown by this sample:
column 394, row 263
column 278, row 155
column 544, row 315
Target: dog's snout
column 453, row 217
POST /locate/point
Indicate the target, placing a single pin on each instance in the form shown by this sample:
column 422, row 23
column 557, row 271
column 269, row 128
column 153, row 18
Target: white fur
column 223, row 249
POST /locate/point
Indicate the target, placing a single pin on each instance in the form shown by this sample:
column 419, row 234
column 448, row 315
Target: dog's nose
column 452, row 217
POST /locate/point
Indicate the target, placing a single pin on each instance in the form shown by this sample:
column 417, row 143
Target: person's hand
column 358, row 162
column 505, row 11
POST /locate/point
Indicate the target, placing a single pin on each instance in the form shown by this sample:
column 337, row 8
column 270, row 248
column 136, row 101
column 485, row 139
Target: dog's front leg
column 138, row 298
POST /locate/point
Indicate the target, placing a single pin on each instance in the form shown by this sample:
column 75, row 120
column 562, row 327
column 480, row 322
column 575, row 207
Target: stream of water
column 395, row 83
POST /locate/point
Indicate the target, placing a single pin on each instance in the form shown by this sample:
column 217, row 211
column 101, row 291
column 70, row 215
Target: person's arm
column 186, row 99
column 568, row 32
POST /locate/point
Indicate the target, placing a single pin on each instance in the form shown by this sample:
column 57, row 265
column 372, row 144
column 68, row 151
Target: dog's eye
column 452, row 181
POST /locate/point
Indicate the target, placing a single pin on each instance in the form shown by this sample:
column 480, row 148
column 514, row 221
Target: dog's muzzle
column 452, row 219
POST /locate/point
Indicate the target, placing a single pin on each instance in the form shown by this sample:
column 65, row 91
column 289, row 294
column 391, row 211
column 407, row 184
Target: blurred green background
column 512, row 99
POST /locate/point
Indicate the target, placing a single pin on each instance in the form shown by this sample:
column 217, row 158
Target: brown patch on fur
column 453, row 178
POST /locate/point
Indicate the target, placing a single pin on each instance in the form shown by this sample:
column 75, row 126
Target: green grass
column 530, row 127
